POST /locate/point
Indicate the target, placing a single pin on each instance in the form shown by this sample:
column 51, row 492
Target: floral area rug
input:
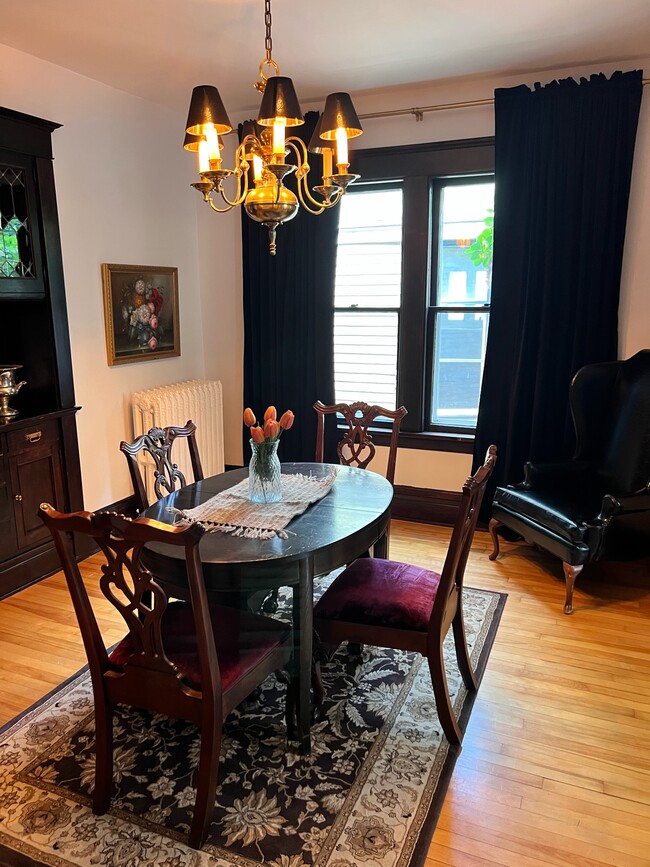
column 368, row 795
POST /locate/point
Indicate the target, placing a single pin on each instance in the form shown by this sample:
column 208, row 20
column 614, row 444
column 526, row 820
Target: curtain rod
column 418, row 112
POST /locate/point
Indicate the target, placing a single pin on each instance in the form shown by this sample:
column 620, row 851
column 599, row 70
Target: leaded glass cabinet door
column 21, row 271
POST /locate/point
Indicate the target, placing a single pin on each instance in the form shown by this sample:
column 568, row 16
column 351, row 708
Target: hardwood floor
column 555, row 766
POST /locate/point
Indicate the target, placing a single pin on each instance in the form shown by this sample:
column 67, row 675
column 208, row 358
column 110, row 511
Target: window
column 460, row 299
column 413, row 282
column 367, row 297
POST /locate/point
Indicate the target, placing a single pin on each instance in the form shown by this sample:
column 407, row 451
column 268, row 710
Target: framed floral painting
column 141, row 312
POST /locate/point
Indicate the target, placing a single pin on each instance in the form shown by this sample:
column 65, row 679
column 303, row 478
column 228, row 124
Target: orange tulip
column 249, row 417
column 257, row 434
column 271, row 429
column 270, row 413
column 287, row 420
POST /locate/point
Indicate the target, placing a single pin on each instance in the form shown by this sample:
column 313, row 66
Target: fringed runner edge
column 323, row 485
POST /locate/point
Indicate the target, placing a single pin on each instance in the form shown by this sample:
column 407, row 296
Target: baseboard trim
column 425, row 505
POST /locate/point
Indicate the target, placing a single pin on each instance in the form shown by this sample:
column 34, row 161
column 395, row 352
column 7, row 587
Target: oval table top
column 334, row 530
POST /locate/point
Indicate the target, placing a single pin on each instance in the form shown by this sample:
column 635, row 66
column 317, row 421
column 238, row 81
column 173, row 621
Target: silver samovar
column 8, row 388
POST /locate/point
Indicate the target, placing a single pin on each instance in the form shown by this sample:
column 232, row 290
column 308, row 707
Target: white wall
column 220, row 270
column 440, row 470
column 121, row 179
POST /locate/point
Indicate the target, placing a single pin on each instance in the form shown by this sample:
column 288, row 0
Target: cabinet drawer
column 29, row 439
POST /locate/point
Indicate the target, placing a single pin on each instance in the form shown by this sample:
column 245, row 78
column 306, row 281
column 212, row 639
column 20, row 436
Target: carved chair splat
column 357, row 448
column 158, row 443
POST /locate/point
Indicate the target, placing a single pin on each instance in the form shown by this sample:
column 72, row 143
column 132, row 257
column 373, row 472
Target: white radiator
column 199, row 400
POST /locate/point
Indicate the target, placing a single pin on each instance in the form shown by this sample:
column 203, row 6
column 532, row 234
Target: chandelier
column 261, row 166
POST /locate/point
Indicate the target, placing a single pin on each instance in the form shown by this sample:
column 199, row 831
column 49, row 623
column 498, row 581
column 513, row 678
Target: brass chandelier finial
column 265, row 146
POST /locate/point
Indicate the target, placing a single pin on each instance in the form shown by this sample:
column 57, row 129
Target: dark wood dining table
column 350, row 520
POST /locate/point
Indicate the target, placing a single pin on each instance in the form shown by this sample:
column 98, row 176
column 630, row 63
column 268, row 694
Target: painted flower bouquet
column 141, row 306
column 264, row 485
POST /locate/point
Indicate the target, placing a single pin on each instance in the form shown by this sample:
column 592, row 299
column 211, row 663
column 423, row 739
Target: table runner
column 232, row 512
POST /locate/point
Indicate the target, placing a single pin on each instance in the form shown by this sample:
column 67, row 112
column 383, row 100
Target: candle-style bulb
column 279, row 126
column 258, row 166
column 342, row 160
column 204, row 159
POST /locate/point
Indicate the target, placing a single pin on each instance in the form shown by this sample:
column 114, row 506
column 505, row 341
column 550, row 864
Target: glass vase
column 264, row 484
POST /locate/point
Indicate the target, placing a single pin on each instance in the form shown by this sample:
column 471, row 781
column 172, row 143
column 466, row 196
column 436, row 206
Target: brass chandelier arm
column 304, row 193
column 240, row 195
column 215, row 208
column 241, row 168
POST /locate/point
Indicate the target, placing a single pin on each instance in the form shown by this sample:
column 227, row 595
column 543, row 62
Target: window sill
column 436, row 441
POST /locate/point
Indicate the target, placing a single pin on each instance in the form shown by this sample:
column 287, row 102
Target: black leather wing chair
column 597, row 505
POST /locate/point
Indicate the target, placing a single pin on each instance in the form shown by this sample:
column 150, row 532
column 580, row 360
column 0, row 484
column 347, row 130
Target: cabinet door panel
column 8, row 545
column 36, row 479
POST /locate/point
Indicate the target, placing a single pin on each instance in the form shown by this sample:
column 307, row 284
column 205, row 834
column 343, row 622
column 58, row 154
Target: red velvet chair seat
column 381, row 593
column 242, row 640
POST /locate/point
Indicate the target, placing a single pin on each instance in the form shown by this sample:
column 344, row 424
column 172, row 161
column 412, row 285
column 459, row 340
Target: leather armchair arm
column 553, row 475
column 627, row 504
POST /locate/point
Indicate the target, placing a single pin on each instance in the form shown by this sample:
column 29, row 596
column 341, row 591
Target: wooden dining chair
column 158, row 443
column 356, row 448
column 191, row 660
column 390, row 604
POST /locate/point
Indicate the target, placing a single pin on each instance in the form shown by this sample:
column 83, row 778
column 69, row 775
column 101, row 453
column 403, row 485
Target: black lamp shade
column 339, row 113
column 206, row 107
column 280, row 100
column 316, row 143
column 191, row 142
column 249, row 127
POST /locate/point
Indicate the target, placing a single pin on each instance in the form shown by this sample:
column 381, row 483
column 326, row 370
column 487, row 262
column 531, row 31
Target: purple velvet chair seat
column 242, row 640
column 381, row 593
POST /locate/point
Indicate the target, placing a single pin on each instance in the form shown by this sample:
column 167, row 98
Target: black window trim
column 418, row 166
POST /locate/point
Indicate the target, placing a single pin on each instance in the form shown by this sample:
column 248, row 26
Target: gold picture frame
column 140, row 312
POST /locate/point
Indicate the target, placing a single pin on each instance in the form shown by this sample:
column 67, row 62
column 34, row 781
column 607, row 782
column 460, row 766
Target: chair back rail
column 158, row 443
column 453, row 571
column 141, row 601
column 357, row 448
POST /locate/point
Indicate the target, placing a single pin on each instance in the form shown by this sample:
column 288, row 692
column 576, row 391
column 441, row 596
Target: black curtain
column 289, row 316
column 563, row 156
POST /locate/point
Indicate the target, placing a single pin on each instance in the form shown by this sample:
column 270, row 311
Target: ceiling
column 159, row 49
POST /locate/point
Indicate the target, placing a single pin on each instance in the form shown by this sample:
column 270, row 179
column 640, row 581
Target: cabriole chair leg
column 570, row 575
column 492, row 527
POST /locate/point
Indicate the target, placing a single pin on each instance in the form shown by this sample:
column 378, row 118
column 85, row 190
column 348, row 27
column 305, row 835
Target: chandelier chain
column 268, row 41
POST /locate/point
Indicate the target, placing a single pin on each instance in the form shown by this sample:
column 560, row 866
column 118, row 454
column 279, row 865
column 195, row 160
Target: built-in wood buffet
column 39, row 457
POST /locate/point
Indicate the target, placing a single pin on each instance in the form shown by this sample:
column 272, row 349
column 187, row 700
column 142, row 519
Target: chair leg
column 570, row 575
column 103, row 757
column 446, row 713
column 317, row 685
column 462, row 653
column 207, row 784
column 492, row 527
